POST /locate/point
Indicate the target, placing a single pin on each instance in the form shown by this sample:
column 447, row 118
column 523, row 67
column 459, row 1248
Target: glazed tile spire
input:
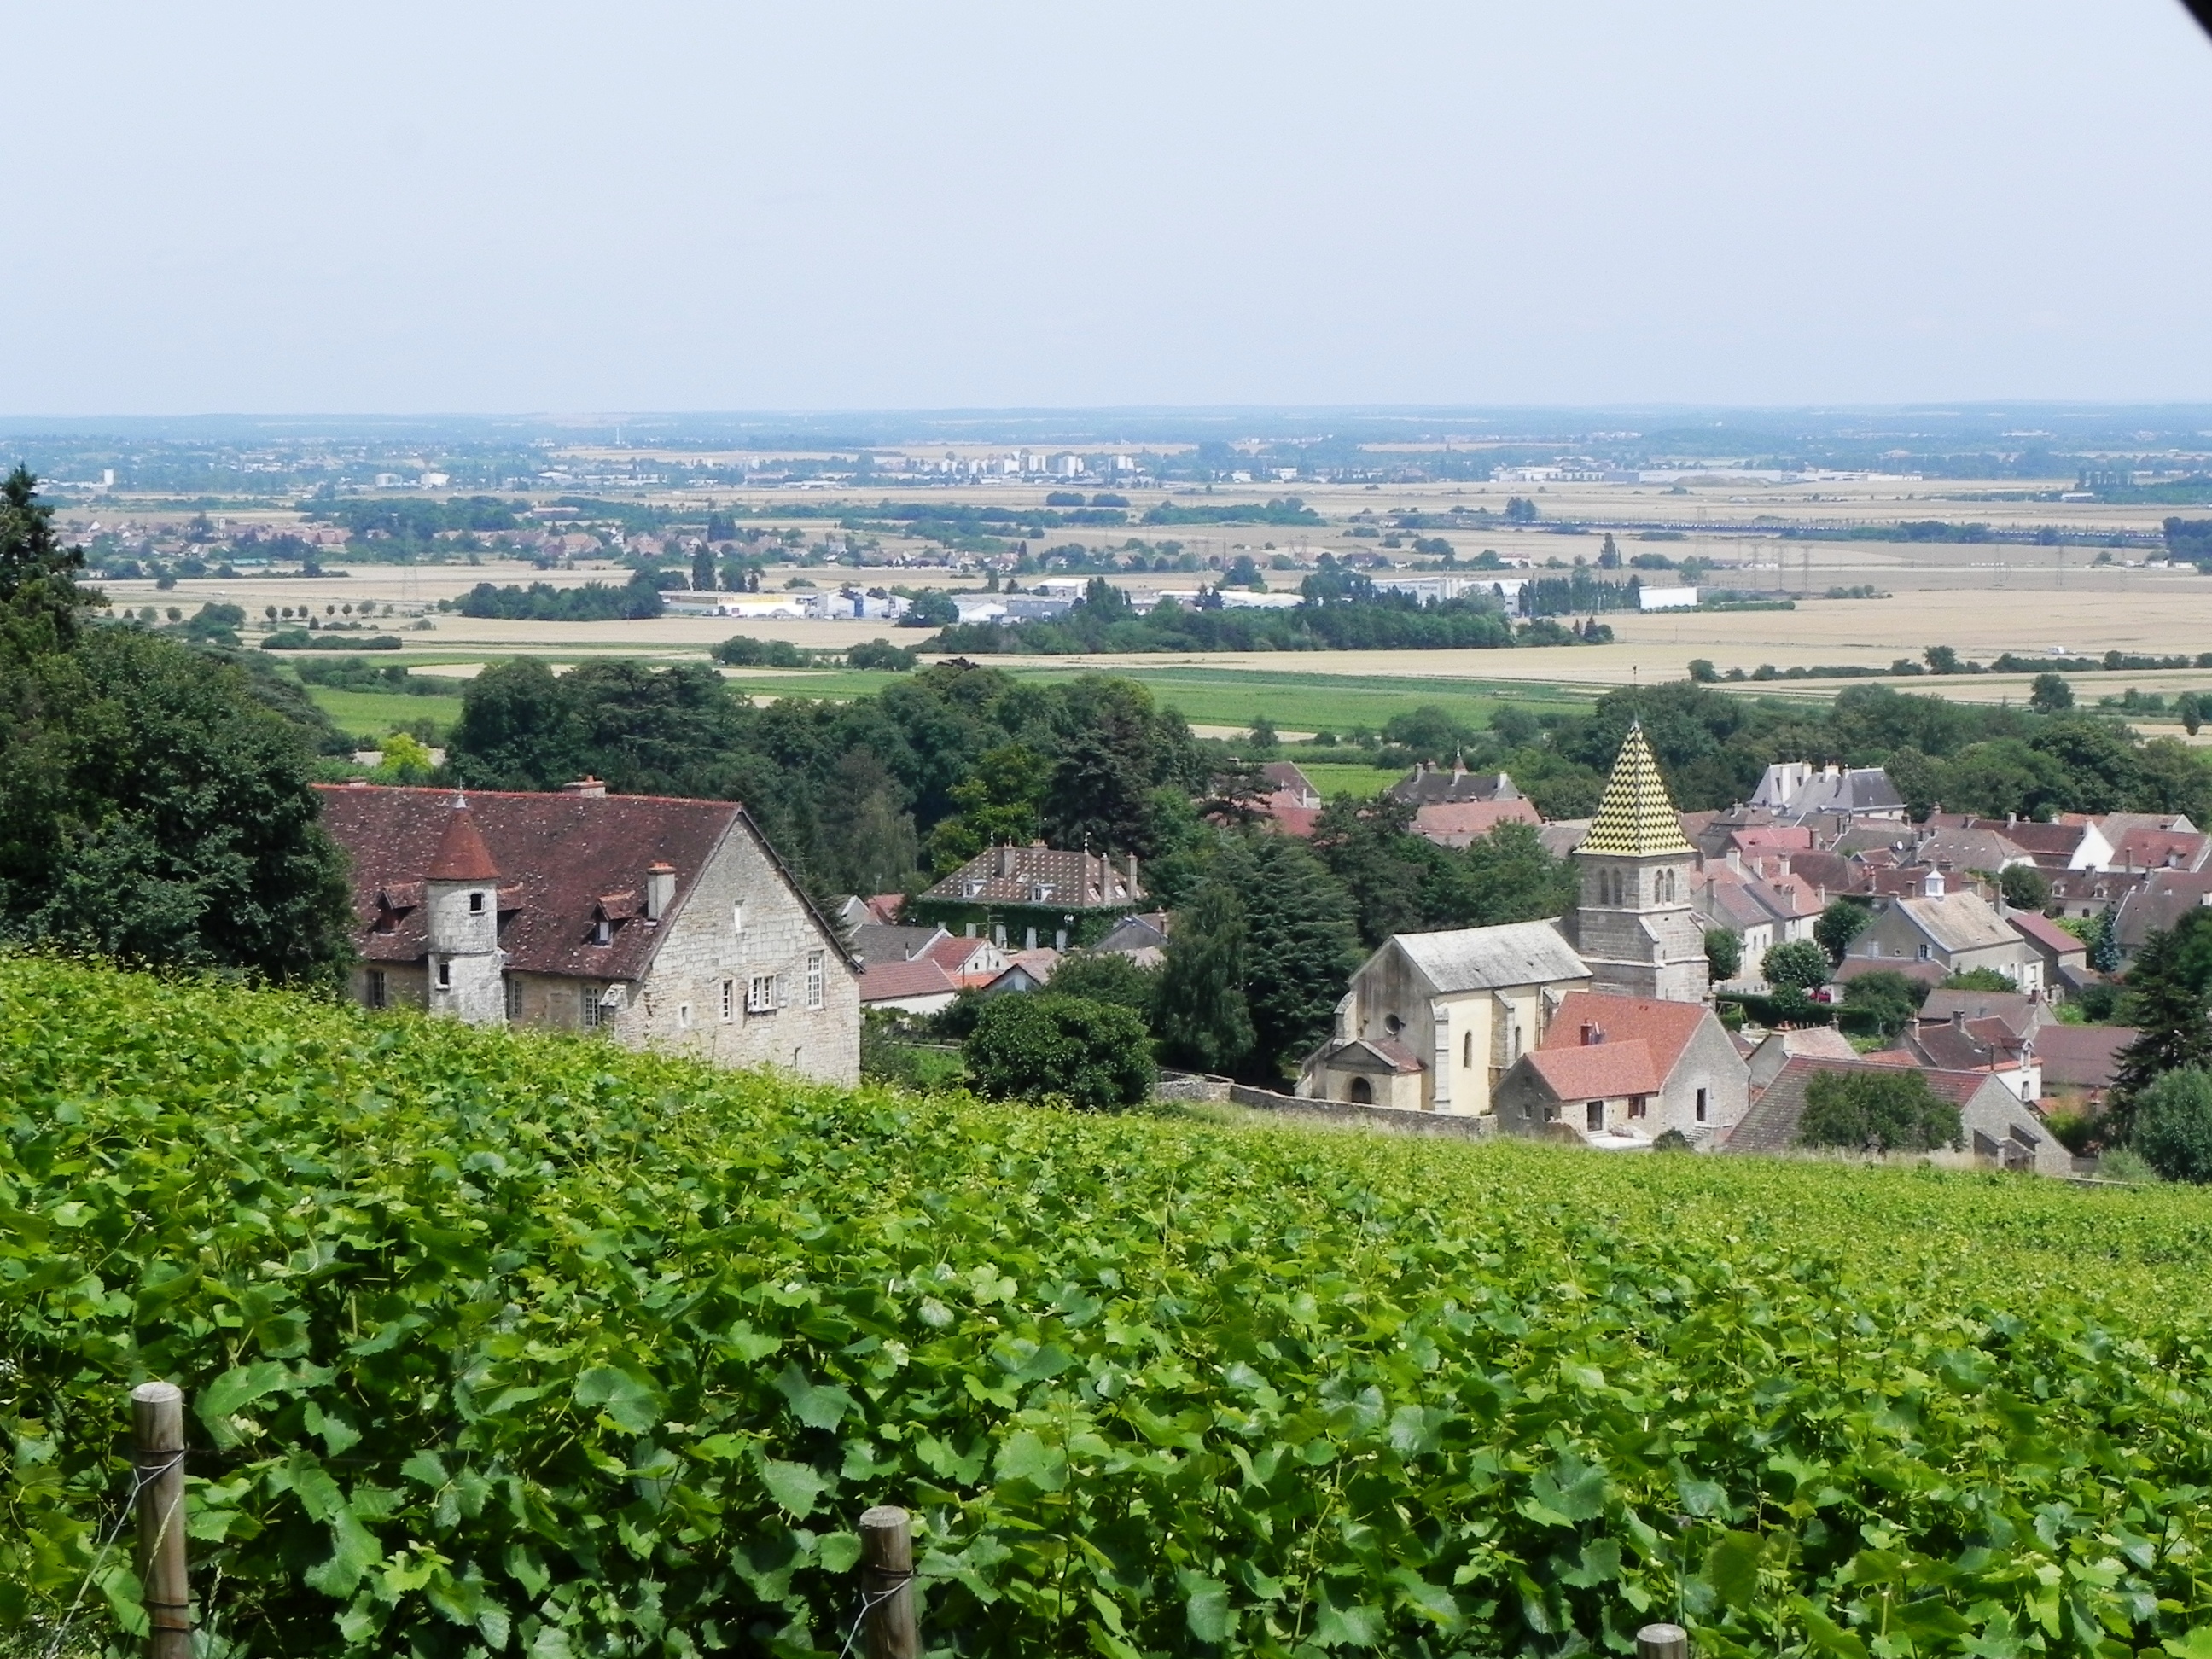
column 1635, row 818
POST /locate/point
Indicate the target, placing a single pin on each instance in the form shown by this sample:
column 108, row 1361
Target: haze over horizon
column 249, row 207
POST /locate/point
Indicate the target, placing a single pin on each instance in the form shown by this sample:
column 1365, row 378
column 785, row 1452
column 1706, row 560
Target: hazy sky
column 544, row 207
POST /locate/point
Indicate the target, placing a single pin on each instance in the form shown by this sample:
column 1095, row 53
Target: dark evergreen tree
column 2167, row 994
column 1199, row 1012
column 1300, row 946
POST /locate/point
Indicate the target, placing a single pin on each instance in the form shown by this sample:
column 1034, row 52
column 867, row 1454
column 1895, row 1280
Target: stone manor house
column 662, row 922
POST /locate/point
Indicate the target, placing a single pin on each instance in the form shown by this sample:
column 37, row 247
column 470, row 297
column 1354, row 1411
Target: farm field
column 1333, row 779
column 526, row 1341
column 370, row 714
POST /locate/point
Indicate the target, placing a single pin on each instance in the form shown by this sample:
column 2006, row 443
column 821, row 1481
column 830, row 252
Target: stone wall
column 1344, row 1114
column 694, row 998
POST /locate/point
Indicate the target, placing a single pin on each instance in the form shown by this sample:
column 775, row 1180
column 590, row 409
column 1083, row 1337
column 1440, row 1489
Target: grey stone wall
column 1295, row 1109
column 707, row 962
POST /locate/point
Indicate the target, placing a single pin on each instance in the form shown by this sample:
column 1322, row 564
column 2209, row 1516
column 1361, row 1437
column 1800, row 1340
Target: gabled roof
column 1972, row 1045
column 1372, row 1054
column 1600, row 1070
column 2158, row 849
column 1635, row 818
column 876, row 941
column 2082, row 1057
column 895, row 982
column 1957, row 922
column 1664, row 1028
column 1771, row 1125
column 1456, row 822
column 2039, row 931
column 2021, row 1013
column 2163, row 897
column 1491, row 958
column 559, row 855
column 1426, row 784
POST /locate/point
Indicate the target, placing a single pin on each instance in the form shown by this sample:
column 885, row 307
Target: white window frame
column 815, row 977
column 738, row 917
column 760, row 994
column 682, row 1016
column 595, row 1012
column 729, row 1000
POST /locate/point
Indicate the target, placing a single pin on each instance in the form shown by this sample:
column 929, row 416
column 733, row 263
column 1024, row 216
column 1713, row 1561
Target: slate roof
column 2080, row 1056
column 1287, row 778
column 562, row 860
column 2162, row 899
column 1634, row 816
column 1771, row 1125
column 876, row 941
column 1491, row 958
column 1011, row 875
column 1665, row 1028
column 1426, row 784
column 2020, row 1012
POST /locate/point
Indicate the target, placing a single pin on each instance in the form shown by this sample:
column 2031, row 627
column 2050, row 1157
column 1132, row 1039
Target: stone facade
column 1634, row 924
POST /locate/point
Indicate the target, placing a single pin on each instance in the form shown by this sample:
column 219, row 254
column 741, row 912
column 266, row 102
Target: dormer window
column 603, row 932
column 1041, row 892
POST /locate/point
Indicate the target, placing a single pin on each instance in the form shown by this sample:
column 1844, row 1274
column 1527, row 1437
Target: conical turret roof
column 1634, row 816
column 462, row 854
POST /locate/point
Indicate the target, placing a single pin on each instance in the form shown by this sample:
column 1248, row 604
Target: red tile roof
column 462, row 854
column 1665, row 1027
column 2040, row 931
column 1456, row 822
column 1598, row 1071
column 895, row 982
column 558, row 857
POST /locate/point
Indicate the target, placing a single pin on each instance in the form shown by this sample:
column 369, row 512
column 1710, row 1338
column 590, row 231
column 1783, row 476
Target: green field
column 373, row 714
column 1237, row 696
column 507, row 1343
column 1334, row 780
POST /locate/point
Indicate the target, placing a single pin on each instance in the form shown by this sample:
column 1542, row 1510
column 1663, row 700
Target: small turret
column 460, row 900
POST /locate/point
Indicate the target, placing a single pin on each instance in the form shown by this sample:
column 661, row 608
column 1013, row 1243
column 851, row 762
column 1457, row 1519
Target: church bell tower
column 1633, row 925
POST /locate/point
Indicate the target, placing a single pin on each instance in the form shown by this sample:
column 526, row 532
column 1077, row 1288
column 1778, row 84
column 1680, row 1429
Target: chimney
column 660, row 889
column 1132, row 875
column 1593, row 1034
column 1958, row 1019
column 588, row 786
column 1004, row 864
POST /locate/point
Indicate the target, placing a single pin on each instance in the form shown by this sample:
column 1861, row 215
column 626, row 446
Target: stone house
column 1025, row 896
column 658, row 922
column 1432, row 1021
column 1999, row 1131
column 1956, row 932
column 1618, row 1072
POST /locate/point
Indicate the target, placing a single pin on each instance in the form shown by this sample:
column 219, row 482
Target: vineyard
column 504, row 1344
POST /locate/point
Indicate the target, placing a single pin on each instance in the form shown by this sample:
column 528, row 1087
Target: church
column 1465, row 1020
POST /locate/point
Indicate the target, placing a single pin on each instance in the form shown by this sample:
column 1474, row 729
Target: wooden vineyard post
column 157, row 1433
column 1662, row 1642
column 887, row 1584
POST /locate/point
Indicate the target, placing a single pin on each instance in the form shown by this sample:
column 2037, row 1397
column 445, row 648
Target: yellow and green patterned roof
column 1634, row 816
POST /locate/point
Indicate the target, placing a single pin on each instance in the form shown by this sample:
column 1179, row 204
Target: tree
column 1884, row 999
column 38, row 574
column 2024, row 887
column 1107, row 977
column 1300, row 946
column 1980, row 979
column 1702, row 671
column 999, row 801
column 2173, row 1126
column 1093, row 1055
column 2167, row 994
column 1201, row 1014
column 1941, row 660
column 1840, row 923
column 1724, row 953
column 2188, row 709
column 1509, row 875
column 1798, row 962
column 2049, row 694
column 1608, row 556
column 1390, row 876
column 868, row 845
column 702, row 568
column 1877, row 1110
